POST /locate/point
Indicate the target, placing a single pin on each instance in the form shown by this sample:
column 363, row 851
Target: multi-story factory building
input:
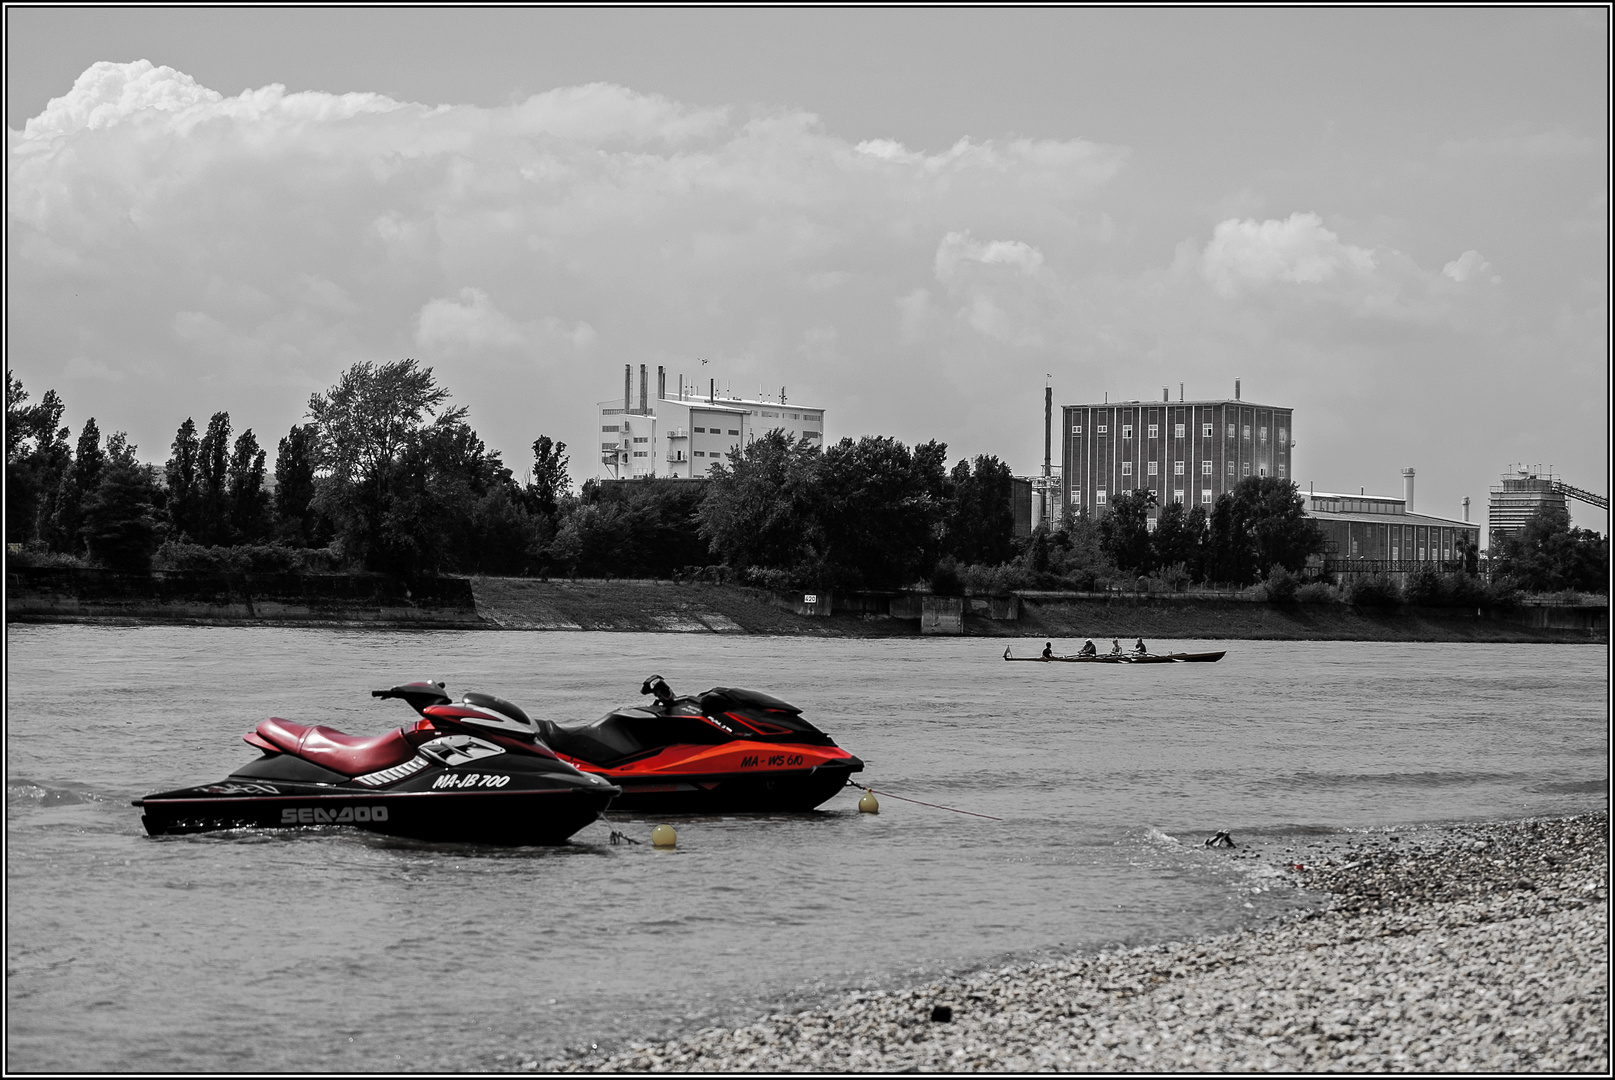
column 1184, row 451
column 1521, row 494
column 684, row 434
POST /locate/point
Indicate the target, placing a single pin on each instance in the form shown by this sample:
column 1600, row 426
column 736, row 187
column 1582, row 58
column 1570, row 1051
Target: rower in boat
column 1115, row 647
column 1139, row 649
column 1048, row 650
column 1088, row 649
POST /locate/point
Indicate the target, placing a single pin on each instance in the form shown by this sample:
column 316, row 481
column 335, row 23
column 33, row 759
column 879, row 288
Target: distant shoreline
column 36, row 595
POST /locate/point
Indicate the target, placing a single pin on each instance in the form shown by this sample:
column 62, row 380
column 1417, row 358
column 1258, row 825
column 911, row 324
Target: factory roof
column 1245, row 402
column 1390, row 519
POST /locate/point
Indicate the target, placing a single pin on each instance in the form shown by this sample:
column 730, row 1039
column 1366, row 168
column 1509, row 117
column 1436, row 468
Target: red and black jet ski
column 471, row 771
column 726, row 750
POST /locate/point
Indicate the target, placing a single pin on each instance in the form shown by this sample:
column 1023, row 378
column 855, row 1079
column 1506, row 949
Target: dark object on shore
column 725, row 750
column 1124, row 658
column 942, row 1014
column 1222, row 839
column 472, row 771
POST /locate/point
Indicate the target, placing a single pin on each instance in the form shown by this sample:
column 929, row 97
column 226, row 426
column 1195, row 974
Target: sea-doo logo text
column 318, row 815
column 470, row 780
column 242, row 789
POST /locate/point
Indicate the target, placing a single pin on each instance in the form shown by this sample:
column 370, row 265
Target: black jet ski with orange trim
column 723, row 751
column 472, row 771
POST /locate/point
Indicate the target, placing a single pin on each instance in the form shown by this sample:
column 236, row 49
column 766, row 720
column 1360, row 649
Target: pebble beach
column 1462, row 948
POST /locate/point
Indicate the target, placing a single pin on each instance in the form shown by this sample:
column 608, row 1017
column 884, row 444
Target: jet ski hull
column 776, row 790
column 516, row 801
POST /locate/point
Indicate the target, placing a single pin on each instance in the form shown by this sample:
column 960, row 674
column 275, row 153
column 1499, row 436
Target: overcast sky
column 1393, row 221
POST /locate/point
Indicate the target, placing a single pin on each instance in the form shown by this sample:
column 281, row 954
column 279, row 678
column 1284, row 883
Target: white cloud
column 959, row 248
column 1248, row 254
column 1466, row 266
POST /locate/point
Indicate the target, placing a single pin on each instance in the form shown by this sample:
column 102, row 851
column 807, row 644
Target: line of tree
column 385, row 474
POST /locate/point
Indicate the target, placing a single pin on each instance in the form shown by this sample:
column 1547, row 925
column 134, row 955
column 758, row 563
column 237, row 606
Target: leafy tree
column 1260, row 524
column 879, row 512
column 120, row 526
column 78, row 480
column 1180, row 538
column 37, row 455
column 248, row 501
column 980, row 515
column 640, row 528
column 184, row 494
column 296, row 522
column 1548, row 555
column 551, row 480
column 1124, row 531
column 759, row 507
column 375, row 464
column 213, row 483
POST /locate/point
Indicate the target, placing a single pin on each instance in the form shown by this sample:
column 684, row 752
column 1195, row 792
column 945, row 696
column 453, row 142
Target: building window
column 1177, row 431
column 1102, row 428
column 1247, row 468
column 1177, row 468
column 699, row 430
column 615, row 427
column 642, row 453
column 1127, row 468
column 1099, row 497
column 645, row 439
column 1076, row 429
column 1281, row 434
column 700, row 453
column 1230, row 431
column 1205, row 496
column 1155, row 431
column 732, row 431
column 1152, row 468
column 1262, row 471
column 1205, row 468
column 1247, row 433
column 1230, row 468
column 1127, row 431
column 1177, row 496
column 1205, row 431
column 1281, row 470
column 1261, row 433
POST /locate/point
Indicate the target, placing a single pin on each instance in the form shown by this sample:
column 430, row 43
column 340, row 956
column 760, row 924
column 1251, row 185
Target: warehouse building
column 684, row 434
column 1365, row 534
column 1184, row 451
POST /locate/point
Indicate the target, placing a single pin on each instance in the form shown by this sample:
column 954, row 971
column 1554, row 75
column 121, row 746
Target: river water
column 326, row 949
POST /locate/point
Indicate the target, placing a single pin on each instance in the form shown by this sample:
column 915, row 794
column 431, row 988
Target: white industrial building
column 686, row 433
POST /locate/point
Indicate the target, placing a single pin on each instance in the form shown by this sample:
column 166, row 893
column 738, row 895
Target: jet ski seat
column 350, row 755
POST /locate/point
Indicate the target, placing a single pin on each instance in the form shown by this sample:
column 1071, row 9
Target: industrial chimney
column 644, row 389
column 661, row 382
column 627, row 388
column 1466, row 507
column 1236, row 389
column 1042, row 507
column 1166, row 393
column 1407, row 489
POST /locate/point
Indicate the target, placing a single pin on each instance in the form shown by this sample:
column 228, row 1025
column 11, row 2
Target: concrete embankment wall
column 71, row 595
column 64, row 594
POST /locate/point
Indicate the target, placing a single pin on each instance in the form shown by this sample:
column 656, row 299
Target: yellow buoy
column 663, row 836
column 868, row 804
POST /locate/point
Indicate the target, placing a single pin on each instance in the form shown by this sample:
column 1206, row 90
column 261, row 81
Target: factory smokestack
column 1407, row 489
column 1466, row 507
column 644, row 389
column 1236, row 389
column 627, row 388
column 661, row 382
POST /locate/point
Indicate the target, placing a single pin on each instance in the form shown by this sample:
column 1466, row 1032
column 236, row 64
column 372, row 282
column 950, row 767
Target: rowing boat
column 1124, row 658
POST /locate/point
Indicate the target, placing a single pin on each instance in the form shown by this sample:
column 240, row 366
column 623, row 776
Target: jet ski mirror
column 658, row 686
column 418, row 694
